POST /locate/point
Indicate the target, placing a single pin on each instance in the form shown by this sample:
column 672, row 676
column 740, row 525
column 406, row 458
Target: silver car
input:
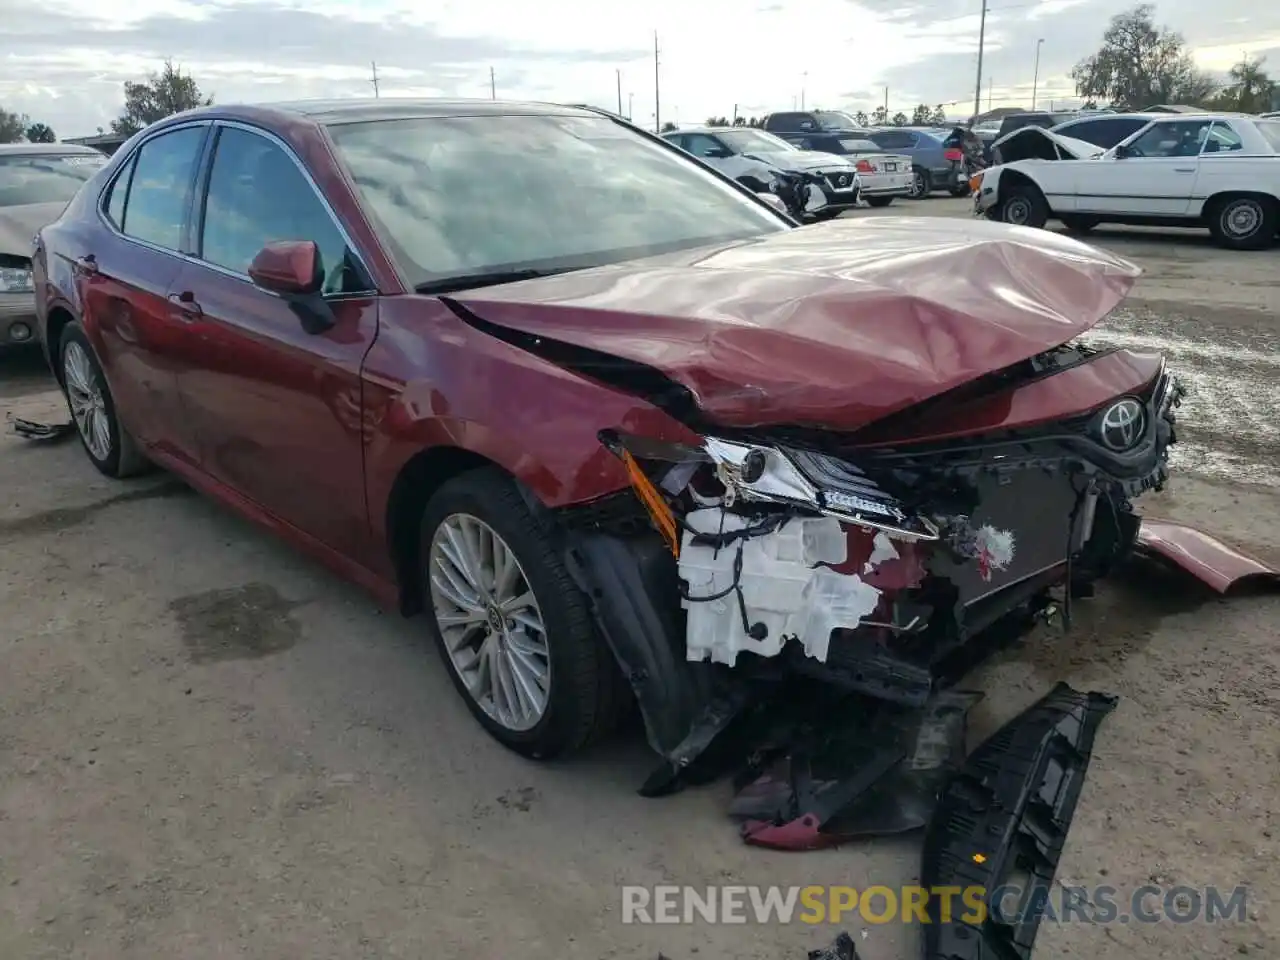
column 37, row 180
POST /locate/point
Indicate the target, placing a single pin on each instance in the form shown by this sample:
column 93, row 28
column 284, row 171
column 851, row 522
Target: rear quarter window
column 1270, row 131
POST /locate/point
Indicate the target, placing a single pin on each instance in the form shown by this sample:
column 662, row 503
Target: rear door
column 142, row 339
column 1223, row 166
column 278, row 409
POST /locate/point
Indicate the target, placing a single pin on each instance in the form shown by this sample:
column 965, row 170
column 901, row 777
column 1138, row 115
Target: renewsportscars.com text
column 913, row 904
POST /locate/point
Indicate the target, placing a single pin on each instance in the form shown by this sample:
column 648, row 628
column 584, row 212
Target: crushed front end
column 880, row 562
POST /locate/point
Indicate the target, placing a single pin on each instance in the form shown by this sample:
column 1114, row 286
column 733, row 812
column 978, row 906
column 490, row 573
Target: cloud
column 65, row 61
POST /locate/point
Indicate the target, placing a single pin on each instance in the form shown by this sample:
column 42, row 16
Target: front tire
column 1244, row 223
column 105, row 440
column 514, row 630
column 879, row 201
column 1024, row 206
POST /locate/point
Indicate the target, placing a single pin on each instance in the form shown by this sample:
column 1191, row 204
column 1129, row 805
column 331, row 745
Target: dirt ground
column 211, row 748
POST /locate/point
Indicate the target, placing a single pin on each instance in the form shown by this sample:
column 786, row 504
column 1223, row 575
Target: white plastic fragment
column 882, row 549
column 782, row 588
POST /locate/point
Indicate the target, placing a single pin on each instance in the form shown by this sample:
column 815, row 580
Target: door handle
column 87, row 264
column 1184, row 169
column 186, row 304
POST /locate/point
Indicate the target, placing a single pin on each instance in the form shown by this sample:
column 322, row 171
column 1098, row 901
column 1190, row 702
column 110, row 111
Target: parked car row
column 1216, row 171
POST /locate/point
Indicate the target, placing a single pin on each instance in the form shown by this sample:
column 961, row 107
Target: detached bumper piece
column 1004, row 821
column 1208, row 559
column 857, row 769
column 50, row 432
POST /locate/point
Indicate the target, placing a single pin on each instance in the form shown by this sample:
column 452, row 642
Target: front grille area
column 840, row 181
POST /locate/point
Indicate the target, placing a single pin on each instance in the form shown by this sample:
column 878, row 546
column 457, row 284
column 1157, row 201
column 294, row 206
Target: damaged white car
column 1217, row 171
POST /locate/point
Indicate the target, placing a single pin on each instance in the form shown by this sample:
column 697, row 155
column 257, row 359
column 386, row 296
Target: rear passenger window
column 119, row 191
column 1222, row 139
column 160, row 189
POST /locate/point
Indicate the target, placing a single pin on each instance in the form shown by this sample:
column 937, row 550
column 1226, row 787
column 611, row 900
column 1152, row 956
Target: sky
column 64, row 62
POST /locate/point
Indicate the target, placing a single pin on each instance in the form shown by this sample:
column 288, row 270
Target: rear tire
column 1244, row 223
column 1024, row 206
column 921, row 184
column 960, row 191
column 585, row 693
column 106, row 442
column 879, row 201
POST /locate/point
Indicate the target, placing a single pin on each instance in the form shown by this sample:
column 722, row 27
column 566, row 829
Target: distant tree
column 668, row 127
column 740, row 121
column 879, row 116
column 1140, row 65
column 717, row 121
column 756, row 122
column 1250, row 90
column 900, row 119
column 163, row 94
column 12, row 126
column 922, row 116
column 41, row 133
column 939, row 116
column 861, row 118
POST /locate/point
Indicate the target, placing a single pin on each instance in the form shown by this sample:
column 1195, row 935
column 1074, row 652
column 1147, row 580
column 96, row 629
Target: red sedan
column 612, row 422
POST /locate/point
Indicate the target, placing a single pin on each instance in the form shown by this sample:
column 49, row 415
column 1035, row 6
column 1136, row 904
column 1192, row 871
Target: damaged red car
column 615, row 426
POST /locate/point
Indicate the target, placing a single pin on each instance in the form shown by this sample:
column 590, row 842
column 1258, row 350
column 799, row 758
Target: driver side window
column 1171, row 138
column 257, row 195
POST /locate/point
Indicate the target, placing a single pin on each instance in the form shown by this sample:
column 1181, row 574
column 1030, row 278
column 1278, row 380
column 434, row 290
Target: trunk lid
column 832, row 326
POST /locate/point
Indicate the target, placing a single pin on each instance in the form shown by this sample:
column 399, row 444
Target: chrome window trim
column 213, row 124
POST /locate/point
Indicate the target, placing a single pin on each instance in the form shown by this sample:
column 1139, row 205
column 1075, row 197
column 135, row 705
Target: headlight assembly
column 16, row 280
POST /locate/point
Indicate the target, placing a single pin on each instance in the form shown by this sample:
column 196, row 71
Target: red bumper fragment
column 1208, row 559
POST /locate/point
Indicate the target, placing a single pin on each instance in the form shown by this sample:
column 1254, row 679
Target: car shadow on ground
column 23, row 372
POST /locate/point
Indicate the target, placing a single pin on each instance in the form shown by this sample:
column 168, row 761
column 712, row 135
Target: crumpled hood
column 1076, row 149
column 833, row 326
column 18, row 225
column 801, row 159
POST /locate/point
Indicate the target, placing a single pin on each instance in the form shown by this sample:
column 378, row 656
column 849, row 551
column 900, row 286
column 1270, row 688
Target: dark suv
column 811, row 121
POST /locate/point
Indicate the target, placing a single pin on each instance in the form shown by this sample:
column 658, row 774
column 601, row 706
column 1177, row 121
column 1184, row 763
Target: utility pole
column 493, row 86
column 631, row 106
column 619, row 75
column 886, row 104
column 1035, row 78
column 990, row 86
column 982, row 41
column 657, row 98
column 804, row 82
column 375, row 80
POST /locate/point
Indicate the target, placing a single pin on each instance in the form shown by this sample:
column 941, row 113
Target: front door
column 278, row 409
column 142, row 340
column 1152, row 175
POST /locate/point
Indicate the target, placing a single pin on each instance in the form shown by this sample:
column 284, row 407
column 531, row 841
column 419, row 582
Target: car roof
column 47, row 149
column 359, row 109
column 1153, row 115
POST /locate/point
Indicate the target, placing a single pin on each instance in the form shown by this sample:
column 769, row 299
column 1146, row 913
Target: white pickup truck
column 1219, row 171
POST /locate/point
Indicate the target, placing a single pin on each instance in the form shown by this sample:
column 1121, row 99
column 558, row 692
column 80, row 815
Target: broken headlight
column 15, row 280
column 820, row 482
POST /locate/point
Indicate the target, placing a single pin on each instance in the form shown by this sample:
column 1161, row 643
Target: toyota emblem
column 1123, row 424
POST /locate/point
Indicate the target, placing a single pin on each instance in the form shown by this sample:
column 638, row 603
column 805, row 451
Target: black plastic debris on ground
column 1003, row 821
column 842, row 948
column 49, row 432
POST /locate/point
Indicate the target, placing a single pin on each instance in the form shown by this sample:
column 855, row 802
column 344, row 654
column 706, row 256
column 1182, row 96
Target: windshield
column 745, row 141
column 44, row 177
column 836, row 118
column 471, row 195
column 1271, row 133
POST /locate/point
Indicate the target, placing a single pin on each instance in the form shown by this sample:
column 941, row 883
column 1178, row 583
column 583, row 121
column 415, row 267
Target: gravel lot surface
column 210, row 747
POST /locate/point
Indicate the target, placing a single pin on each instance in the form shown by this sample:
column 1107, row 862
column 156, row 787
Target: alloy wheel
column 88, row 408
column 917, row 185
column 490, row 621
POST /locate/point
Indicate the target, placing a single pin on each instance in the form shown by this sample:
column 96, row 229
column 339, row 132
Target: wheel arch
column 419, row 478
column 1010, row 178
column 1215, row 200
column 58, row 319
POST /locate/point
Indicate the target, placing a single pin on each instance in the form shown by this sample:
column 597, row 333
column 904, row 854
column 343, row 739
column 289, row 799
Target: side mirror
column 1120, row 152
column 288, row 267
column 292, row 269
